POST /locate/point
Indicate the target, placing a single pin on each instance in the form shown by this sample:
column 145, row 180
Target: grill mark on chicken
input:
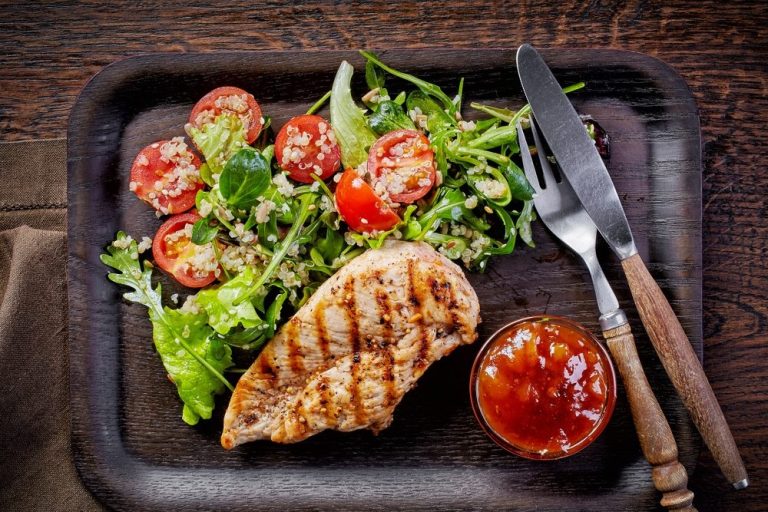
column 390, row 388
column 322, row 331
column 443, row 293
column 452, row 305
column 295, row 353
column 265, row 367
column 417, row 301
column 301, row 416
column 325, row 401
column 386, row 342
column 350, row 307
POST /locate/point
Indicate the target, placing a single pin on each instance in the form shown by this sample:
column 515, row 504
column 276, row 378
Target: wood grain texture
column 683, row 367
column 49, row 52
column 656, row 438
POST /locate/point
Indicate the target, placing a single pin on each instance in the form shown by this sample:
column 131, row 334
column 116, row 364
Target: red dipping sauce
column 543, row 387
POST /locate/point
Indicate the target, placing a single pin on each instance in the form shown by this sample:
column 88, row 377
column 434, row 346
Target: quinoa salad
column 255, row 221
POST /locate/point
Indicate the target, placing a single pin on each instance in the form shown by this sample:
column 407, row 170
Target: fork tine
column 546, row 168
column 528, row 166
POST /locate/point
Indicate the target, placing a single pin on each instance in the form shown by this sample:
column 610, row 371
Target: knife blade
column 567, row 139
column 585, row 171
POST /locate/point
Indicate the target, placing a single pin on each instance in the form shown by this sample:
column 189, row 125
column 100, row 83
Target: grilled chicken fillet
column 348, row 356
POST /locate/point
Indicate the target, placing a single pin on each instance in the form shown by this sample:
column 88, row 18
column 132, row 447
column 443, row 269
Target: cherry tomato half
column 404, row 163
column 306, row 145
column 191, row 265
column 359, row 205
column 166, row 175
column 229, row 100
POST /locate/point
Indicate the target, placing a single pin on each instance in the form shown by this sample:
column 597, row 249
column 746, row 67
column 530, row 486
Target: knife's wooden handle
column 656, row 439
column 684, row 369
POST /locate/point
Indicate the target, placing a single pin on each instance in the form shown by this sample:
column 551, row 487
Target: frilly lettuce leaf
column 225, row 305
column 218, row 141
column 194, row 383
column 349, row 125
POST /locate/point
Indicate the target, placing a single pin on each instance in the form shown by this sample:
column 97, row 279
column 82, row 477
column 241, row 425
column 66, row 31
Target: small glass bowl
column 607, row 411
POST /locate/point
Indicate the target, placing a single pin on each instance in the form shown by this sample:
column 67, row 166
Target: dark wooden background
column 50, row 49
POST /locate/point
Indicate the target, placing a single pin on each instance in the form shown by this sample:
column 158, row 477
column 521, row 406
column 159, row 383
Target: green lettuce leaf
column 194, row 383
column 218, row 141
column 194, row 359
column 225, row 307
column 352, row 131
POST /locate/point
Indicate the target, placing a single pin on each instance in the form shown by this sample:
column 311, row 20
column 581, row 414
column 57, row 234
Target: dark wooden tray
column 130, row 445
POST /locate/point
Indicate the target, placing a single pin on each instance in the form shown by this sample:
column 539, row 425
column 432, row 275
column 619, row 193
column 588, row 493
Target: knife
column 580, row 162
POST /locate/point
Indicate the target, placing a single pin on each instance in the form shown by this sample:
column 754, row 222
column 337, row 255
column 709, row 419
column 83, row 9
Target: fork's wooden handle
column 684, row 369
column 656, row 439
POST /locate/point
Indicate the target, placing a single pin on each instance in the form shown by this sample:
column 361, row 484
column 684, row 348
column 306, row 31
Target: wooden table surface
column 48, row 52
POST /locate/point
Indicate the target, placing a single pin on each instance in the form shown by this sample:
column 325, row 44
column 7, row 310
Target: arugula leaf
column 281, row 249
column 510, row 233
column 349, row 125
column 218, row 141
column 495, row 137
column 518, row 183
column 426, row 87
column 523, row 223
column 374, row 77
column 273, row 313
column 219, row 304
column 510, row 116
column 437, row 119
column 203, row 232
column 499, row 113
column 452, row 246
column 193, row 358
column 480, row 181
column 330, row 246
column 450, row 204
column 268, row 232
column 245, row 178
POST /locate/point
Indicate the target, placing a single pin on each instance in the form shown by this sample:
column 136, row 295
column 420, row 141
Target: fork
column 561, row 211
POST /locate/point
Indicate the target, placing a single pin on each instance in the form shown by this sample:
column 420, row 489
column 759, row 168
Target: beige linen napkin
column 36, row 468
